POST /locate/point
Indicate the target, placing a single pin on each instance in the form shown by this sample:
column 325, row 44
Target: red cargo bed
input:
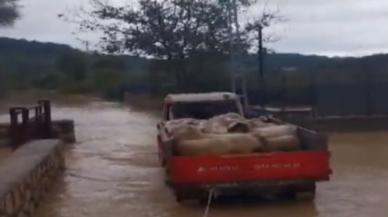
column 309, row 165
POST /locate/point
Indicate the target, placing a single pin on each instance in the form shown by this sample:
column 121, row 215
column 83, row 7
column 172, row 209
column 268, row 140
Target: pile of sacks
column 231, row 134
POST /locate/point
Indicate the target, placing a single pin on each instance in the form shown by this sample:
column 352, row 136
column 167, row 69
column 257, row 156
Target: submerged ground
column 113, row 171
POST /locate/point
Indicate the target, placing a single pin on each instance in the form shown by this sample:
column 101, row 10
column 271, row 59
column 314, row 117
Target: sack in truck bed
column 219, row 145
column 278, row 138
column 200, row 137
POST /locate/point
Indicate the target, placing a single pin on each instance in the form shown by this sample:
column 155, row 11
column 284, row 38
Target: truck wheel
column 288, row 194
column 162, row 161
column 178, row 198
column 203, row 199
column 181, row 196
column 308, row 193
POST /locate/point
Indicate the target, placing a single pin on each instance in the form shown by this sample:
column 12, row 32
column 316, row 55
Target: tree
column 8, row 12
column 173, row 30
column 256, row 30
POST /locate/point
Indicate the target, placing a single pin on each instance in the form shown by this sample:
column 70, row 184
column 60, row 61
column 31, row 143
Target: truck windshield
column 203, row 110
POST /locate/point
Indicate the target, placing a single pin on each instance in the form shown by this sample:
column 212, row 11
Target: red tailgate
column 255, row 167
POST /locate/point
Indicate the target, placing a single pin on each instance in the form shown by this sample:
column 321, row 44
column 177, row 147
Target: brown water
column 113, row 171
column 5, row 152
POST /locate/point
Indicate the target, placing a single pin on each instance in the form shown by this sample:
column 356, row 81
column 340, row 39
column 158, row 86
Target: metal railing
column 27, row 123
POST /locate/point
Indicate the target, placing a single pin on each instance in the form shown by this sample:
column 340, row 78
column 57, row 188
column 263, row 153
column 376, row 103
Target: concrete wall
column 61, row 129
column 26, row 176
column 64, row 130
column 4, row 135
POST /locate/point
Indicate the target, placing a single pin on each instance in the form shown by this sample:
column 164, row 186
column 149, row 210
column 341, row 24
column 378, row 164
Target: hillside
column 40, row 52
column 25, row 64
column 29, row 63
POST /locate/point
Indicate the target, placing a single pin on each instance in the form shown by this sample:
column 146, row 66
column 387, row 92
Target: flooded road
column 113, row 171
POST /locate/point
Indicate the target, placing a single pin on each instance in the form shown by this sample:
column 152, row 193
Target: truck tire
column 288, row 194
column 181, row 195
column 162, row 161
column 307, row 193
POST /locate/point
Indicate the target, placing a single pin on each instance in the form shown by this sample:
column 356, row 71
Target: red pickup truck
column 192, row 177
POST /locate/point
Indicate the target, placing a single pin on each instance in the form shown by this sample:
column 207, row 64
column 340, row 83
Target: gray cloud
column 333, row 27
column 327, row 27
column 40, row 22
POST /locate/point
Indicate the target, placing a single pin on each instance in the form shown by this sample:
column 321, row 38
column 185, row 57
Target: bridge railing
column 27, row 123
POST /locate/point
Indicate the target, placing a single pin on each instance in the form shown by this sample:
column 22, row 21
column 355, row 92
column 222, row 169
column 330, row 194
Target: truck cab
column 200, row 106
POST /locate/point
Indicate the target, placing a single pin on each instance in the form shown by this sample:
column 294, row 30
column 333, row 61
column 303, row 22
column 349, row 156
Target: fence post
column 14, row 126
column 25, row 116
column 13, row 117
column 18, row 131
column 25, row 129
column 46, row 107
column 38, row 114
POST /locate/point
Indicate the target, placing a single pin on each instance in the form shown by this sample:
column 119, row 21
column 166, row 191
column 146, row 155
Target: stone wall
column 26, row 176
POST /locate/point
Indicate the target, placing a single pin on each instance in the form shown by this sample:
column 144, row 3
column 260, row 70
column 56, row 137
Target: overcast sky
column 325, row 27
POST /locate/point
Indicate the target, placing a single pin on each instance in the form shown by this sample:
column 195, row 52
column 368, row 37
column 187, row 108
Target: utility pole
column 260, row 55
column 262, row 89
column 237, row 24
column 231, row 50
column 236, row 52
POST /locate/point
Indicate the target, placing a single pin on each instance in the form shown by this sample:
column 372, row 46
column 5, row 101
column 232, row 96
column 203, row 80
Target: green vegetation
column 290, row 78
column 180, row 32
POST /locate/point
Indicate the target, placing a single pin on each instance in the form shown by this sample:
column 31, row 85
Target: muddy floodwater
column 113, row 171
